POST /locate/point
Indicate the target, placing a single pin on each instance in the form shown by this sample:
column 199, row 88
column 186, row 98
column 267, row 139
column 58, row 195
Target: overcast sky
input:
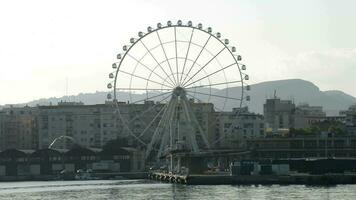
column 43, row 43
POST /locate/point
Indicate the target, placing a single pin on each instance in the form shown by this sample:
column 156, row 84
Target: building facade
column 85, row 125
column 350, row 119
column 18, row 128
column 305, row 116
column 236, row 126
column 278, row 114
column 303, row 147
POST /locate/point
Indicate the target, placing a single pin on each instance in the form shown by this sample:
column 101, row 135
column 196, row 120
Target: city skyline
column 45, row 44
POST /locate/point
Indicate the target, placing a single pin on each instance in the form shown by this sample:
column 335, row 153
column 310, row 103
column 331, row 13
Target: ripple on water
column 140, row 189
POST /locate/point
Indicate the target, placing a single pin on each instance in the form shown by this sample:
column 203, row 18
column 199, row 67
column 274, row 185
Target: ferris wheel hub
column 179, row 92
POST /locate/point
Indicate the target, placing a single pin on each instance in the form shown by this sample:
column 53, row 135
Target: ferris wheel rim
column 184, row 26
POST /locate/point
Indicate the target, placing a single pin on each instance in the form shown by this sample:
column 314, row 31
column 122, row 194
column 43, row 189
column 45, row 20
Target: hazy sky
column 44, row 42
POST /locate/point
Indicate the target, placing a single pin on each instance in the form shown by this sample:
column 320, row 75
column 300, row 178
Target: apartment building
column 18, row 128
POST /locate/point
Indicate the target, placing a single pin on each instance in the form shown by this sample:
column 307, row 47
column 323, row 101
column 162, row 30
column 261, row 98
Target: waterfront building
column 315, row 146
column 18, row 128
column 238, row 125
column 306, row 115
column 278, row 114
column 350, row 119
column 94, row 125
column 86, row 125
column 34, row 164
column 281, row 115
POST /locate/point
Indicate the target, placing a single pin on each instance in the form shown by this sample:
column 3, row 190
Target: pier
column 220, row 179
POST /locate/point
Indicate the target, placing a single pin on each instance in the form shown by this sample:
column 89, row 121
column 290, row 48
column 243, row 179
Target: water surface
column 144, row 189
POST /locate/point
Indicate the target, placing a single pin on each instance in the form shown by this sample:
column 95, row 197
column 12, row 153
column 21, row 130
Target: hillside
column 300, row 91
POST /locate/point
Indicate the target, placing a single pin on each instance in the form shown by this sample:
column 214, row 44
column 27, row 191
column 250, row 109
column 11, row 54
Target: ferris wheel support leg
column 168, row 134
column 157, row 132
column 193, row 140
column 205, row 140
column 162, row 145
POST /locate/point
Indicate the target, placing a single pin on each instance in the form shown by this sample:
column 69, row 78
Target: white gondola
column 200, row 26
column 140, row 34
column 159, row 25
column 179, row 22
column 218, row 35
column 114, row 65
column 190, row 23
column 109, row 86
column 124, row 48
column 233, row 49
column 248, row 88
column 132, row 40
column 169, row 23
column 226, row 41
column 247, row 77
column 149, row 29
column 243, row 67
column 248, row 98
column 210, row 29
column 111, row 75
column 118, row 56
column 239, row 58
column 108, row 96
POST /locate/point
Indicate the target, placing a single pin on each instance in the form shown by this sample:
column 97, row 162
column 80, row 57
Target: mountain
column 297, row 90
column 300, row 91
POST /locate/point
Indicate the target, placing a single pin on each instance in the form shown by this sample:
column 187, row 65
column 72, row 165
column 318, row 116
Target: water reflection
column 138, row 189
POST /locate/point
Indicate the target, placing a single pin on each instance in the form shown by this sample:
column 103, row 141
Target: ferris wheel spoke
column 148, row 68
column 148, row 110
column 221, row 111
column 165, row 54
column 214, row 95
column 175, row 41
column 214, row 84
column 222, row 69
column 145, row 79
column 129, row 130
column 147, row 98
column 153, row 120
column 154, row 58
column 190, row 69
column 204, row 66
column 186, row 56
column 144, row 89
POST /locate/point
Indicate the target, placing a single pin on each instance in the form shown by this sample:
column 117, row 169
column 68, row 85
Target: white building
column 236, row 126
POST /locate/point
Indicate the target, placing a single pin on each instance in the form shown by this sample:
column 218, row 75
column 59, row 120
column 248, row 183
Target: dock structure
column 192, row 179
column 168, row 177
column 219, row 179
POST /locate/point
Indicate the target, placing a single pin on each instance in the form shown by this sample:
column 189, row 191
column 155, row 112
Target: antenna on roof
column 275, row 95
column 66, row 95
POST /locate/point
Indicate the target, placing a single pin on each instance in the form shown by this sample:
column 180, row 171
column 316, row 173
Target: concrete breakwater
column 305, row 179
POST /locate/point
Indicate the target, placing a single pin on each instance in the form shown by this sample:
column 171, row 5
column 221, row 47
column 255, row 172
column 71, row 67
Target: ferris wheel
column 172, row 76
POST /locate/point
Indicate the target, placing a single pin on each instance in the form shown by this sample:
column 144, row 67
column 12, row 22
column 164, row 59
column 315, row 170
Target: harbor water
column 145, row 189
